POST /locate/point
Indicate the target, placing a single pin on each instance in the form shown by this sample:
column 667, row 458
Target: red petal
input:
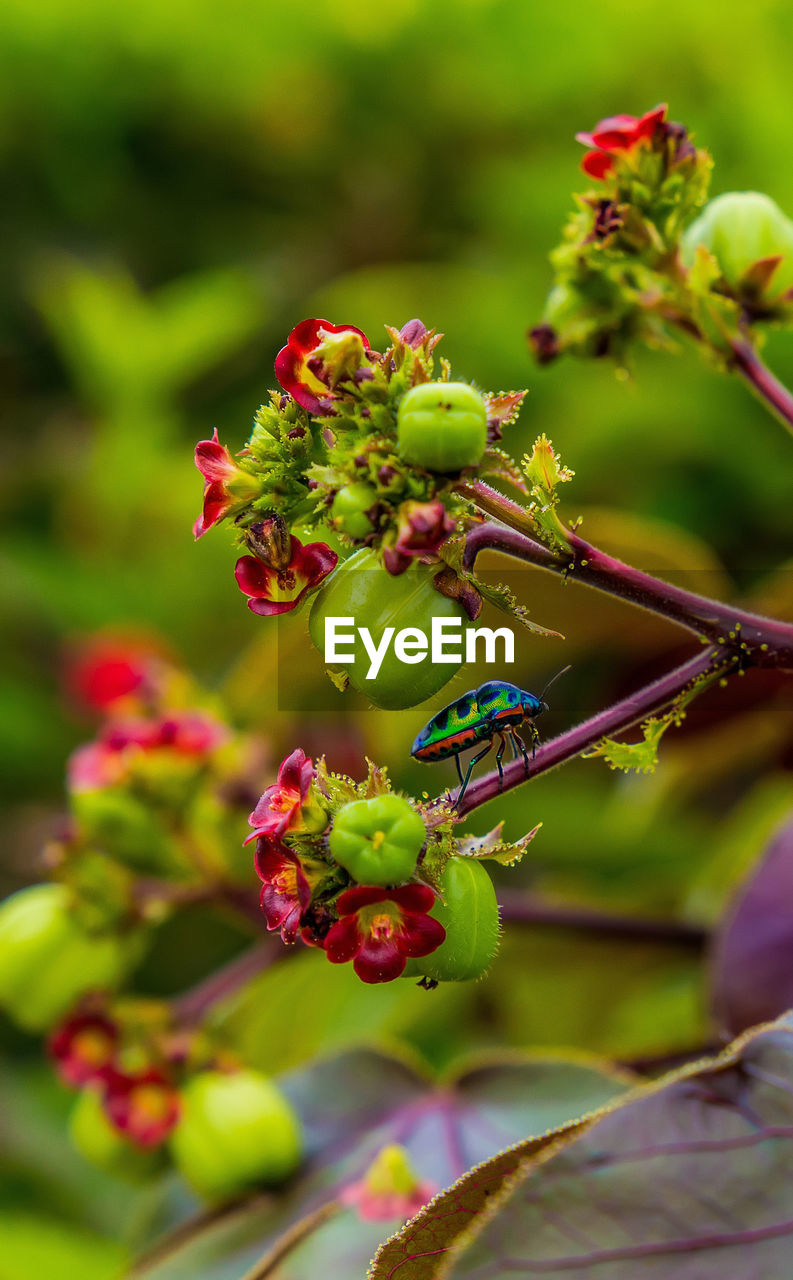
column 650, row 121
column 379, row 961
column 296, row 772
column 421, row 935
column 343, row 941
column 288, row 364
column 253, row 577
column 312, row 562
column 597, row 164
column 363, row 896
column 213, row 459
column 413, row 897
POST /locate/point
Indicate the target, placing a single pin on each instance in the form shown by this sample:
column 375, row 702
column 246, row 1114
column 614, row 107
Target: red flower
column 379, row 928
column 286, row 892
column 107, row 761
column 84, row 1048
column 617, row 135
column 109, row 669
column 144, row 1106
column 423, row 526
column 390, row 1189
column 317, row 356
column 280, row 808
column 226, row 483
column 274, row 591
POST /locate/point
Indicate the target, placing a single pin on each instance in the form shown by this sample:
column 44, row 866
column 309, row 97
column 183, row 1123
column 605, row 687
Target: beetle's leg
column 501, row 748
column 518, row 745
column 459, row 769
column 471, row 763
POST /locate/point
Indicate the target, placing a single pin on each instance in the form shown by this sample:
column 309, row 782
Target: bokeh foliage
column 183, row 183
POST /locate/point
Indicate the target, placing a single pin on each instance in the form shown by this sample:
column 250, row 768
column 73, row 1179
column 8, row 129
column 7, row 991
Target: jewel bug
column 494, row 710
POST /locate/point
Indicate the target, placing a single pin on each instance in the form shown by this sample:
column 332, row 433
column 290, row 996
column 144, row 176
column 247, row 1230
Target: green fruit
column 236, row 1131
column 350, row 507
column 740, row 228
column 378, row 840
column 100, row 1142
column 362, row 589
column 442, row 426
column 49, row 961
column 469, row 914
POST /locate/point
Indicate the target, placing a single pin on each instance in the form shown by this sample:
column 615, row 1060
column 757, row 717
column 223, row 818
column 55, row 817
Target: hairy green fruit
column 49, row 961
column 741, row 228
column 378, row 840
column 469, row 914
column 236, row 1131
column 362, row 589
column 442, row 426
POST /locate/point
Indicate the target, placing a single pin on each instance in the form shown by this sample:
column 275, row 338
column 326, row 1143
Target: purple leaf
column 752, row 958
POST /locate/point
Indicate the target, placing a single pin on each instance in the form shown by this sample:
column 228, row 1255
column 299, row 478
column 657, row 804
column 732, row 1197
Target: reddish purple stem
column 773, row 393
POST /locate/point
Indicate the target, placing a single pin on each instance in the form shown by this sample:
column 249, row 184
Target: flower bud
column 378, row 840
column 236, row 1131
column 349, row 513
column 742, row 228
column 49, row 961
column 271, row 541
column 442, row 426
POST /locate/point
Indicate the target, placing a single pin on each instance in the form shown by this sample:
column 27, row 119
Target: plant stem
column 518, row 907
column 190, row 1008
column 614, row 719
column 759, row 641
column 762, row 382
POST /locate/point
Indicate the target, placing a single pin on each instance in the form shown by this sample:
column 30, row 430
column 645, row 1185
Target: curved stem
column 614, row 719
column 762, row 642
column 762, row 382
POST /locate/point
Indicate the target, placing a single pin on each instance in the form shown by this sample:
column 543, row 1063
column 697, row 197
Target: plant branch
column 762, row 382
column 758, row 641
column 614, row 719
column 518, row 907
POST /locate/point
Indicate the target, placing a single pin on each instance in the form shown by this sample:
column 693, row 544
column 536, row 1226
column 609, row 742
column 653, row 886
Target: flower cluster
column 141, row 1102
column 359, row 872
column 636, row 263
column 333, row 451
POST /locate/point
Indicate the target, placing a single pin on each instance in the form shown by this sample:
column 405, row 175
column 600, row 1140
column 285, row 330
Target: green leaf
column 507, row 852
column 351, row 1107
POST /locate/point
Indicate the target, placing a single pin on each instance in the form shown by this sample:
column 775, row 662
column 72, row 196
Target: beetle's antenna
column 553, row 680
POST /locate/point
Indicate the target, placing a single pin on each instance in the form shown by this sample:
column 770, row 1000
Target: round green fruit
column 350, row 507
column 378, row 840
column 469, row 914
column 741, row 228
column 100, row 1142
column 363, row 590
column 236, row 1131
column 49, row 961
column 442, row 426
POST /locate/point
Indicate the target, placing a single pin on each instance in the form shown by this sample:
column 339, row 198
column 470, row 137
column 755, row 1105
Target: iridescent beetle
column 493, row 710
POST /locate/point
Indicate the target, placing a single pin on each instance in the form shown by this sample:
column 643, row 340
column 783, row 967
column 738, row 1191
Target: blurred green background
column 182, row 184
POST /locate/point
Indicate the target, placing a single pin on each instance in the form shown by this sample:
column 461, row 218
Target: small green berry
column 349, row 509
column 49, row 960
column 236, row 1131
column 741, row 228
column 442, row 426
column 378, row 840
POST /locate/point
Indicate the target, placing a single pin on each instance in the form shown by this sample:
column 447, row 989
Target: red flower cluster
column 318, row 356
column 617, row 136
column 423, row 527
column 378, row 929
column 143, row 1105
column 272, row 589
column 107, row 760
